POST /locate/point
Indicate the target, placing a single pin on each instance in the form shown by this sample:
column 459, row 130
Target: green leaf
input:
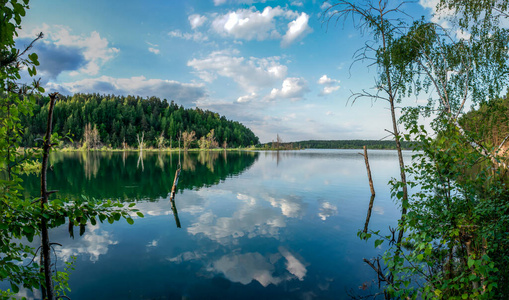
column 438, row 292
column 378, row 243
column 14, row 288
column 142, row 216
column 130, row 221
column 471, row 262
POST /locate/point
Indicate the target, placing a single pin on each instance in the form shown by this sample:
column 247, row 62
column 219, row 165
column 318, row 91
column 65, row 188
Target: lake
column 253, row 225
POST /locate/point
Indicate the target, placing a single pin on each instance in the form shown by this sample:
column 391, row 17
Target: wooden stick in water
column 366, row 160
column 368, row 216
column 172, row 197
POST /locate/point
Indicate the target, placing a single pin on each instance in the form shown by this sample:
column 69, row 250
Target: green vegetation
column 338, row 144
column 489, row 124
column 25, row 218
column 119, row 176
column 93, row 121
column 451, row 241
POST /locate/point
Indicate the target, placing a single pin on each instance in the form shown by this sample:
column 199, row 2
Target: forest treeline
column 489, row 124
column 338, row 144
column 116, row 120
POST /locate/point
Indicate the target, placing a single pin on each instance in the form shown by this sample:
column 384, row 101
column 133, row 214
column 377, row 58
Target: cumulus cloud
column 55, row 59
column 250, row 73
column 292, row 88
column 196, row 20
column 330, row 85
column 185, row 93
column 220, row 2
column 297, row 29
column 95, row 49
column 247, row 98
column 249, row 24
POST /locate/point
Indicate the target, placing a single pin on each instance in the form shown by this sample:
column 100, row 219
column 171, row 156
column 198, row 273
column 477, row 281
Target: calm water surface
column 254, row 225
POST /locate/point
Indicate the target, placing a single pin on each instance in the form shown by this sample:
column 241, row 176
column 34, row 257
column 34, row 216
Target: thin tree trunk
column 48, row 292
column 368, row 169
column 390, row 92
column 404, row 200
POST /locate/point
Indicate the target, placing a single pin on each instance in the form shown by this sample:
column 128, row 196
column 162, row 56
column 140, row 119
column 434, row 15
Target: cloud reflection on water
column 327, row 210
column 94, row 242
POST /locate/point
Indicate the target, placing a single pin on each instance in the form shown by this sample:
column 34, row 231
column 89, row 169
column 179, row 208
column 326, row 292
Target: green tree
column 376, row 18
column 455, row 226
column 22, row 217
column 15, row 101
column 188, row 138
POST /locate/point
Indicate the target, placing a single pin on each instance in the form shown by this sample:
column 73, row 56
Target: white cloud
column 250, row 73
column 438, row 16
column 297, row 3
column 326, row 80
column 330, row 85
column 185, row 93
column 153, row 50
column 220, row 2
column 330, row 89
column 297, row 29
column 325, row 5
column 196, row 20
column 195, row 36
column 463, row 35
column 247, row 98
column 95, row 49
column 249, row 24
column 292, row 88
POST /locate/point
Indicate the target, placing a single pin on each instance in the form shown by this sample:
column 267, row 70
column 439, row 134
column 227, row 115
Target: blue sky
column 274, row 66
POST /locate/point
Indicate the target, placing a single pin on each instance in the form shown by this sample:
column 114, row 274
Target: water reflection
column 247, row 267
column 175, row 213
column 368, row 216
column 273, row 229
column 93, row 243
column 327, row 210
column 136, row 176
